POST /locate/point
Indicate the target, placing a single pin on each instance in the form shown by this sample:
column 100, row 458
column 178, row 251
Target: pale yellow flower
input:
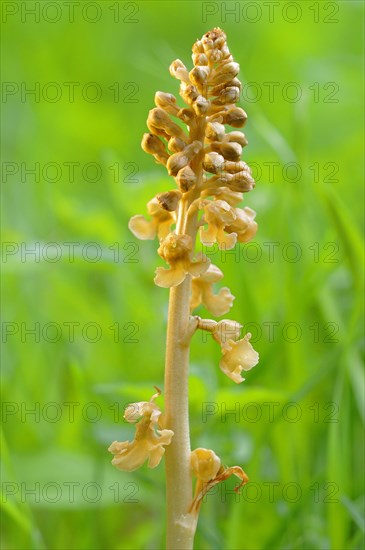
column 202, row 293
column 148, row 443
column 238, row 356
column 243, row 225
column 159, row 225
column 176, row 251
column 218, row 214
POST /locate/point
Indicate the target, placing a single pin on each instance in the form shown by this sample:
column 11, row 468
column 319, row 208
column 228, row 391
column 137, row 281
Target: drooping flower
column 209, row 471
column 238, row 356
column 217, row 214
column 202, row 293
column 148, row 443
column 243, row 225
column 176, row 251
column 159, row 225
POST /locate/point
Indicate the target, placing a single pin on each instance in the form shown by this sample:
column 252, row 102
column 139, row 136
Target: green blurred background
column 100, row 322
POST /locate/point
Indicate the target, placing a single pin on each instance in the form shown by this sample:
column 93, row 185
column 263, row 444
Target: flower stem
column 178, row 475
column 180, row 535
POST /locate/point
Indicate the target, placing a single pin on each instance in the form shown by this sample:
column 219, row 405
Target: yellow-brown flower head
column 210, row 91
column 189, row 135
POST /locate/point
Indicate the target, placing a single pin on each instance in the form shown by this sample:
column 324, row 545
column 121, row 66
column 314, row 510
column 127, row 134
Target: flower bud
column 224, row 179
column 189, row 93
column 230, row 151
column 153, row 145
column 220, row 41
column 167, row 102
column 234, row 167
column 237, row 137
column 198, row 47
column 241, row 181
column 186, row 179
column 227, row 96
column 213, row 163
column 235, row 82
column 215, row 131
column 169, row 200
column 176, row 145
column 225, row 73
column 199, row 75
column 201, row 105
column 235, row 117
column 214, row 56
column 208, row 43
column 226, row 53
column 157, row 131
column 179, row 160
column 215, row 34
column 215, row 90
column 179, row 71
column 200, row 59
column 158, row 118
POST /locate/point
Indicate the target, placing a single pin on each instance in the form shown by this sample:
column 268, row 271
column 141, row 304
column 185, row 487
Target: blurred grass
column 321, row 453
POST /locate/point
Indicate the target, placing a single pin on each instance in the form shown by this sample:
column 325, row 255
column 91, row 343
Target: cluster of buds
column 205, row 162
column 204, row 159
